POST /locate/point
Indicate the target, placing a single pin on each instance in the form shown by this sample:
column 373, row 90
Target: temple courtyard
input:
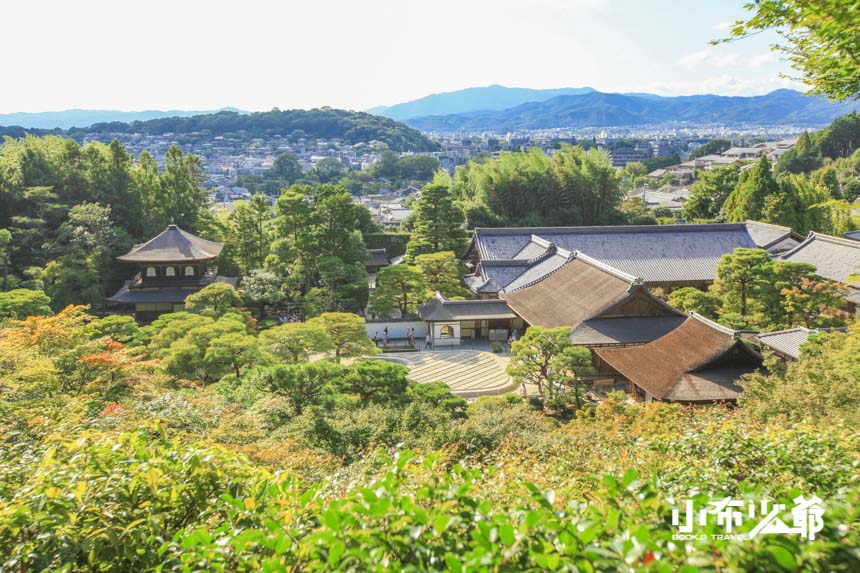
column 469, row 373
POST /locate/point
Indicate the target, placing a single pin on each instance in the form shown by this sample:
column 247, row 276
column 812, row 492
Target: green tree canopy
column 400, row 287
column 548, row 359
column 347, row 334
column 295, row 341
column 709, row 192
column 818, row 37
column 21, row 303
column 214, row 300
column 442, row 273
column 438, row 224
column 749, row 198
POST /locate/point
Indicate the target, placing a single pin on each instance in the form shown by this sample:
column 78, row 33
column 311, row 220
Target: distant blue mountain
column 597, row 109
column 494, row 97
column 86, row 117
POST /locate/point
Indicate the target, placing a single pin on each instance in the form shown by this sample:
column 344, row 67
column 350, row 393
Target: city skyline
column 356, row 56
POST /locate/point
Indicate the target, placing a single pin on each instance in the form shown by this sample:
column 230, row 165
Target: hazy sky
column 354, row 54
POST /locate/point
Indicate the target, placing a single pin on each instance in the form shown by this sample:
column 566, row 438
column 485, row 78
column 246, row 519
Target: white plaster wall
column 396, row 329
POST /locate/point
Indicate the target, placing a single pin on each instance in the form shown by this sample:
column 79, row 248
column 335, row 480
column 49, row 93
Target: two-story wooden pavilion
column 169, row 267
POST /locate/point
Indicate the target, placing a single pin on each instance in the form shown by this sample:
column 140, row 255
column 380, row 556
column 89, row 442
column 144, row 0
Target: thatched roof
column 576, row 292
column 581, row 290
column 700, row 361
column 173, row 245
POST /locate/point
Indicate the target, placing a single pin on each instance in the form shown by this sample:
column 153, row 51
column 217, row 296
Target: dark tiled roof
column 129, row 295
column 656, row 253
column 173, row 245
column 788, row 342
column 126, row 295
column 834, row 258
column 698, row 361
column 439, row 308
column 377, row 258
column 624, row 329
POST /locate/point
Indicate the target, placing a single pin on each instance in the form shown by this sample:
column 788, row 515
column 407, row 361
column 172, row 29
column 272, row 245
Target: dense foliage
column 571, row 187
column 809, row 188
column 66, row 210
column 112, row 460
column 324, row 123
column 753, row 290
column 818, row 37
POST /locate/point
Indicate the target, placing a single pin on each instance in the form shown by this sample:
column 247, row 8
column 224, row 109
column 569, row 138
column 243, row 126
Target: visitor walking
column 428, row 344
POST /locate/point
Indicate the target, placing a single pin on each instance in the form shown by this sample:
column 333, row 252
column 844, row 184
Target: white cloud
column 726, row 60
column 762, row 59
column 693, row 59
column 711, row 58
column 724, row 84
column 722, row 25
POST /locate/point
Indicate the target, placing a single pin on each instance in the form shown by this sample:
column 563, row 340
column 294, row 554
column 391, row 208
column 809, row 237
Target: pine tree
column 438, row 222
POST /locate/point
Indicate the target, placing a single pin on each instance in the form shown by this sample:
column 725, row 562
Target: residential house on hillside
column 698, row 362
column 505, row 259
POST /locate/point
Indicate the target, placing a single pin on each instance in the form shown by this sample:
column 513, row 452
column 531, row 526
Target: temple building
column 169, row 267
column 835, row 259
column 698, row 362
column 602, row 305
column 666, row 256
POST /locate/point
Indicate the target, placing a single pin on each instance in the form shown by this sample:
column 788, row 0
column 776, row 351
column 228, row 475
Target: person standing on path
column 428, row 342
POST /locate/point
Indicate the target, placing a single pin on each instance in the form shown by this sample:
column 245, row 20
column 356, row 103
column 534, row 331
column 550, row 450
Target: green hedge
column 393, row 243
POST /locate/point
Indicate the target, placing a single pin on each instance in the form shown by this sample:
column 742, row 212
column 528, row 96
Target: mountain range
column 494, row 97
column 590, row 108
column 70, row 118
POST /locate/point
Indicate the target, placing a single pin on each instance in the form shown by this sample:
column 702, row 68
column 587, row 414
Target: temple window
column 447, row 332
column 170, row 272
column 189, row 271
column 151, row 272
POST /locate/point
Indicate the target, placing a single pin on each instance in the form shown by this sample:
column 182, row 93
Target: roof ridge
column 542, row 278
column 715, row 325
column 474, row 300
column 606, row 267
column 832, row 239
column 506, row 262
column 604, row 228
column 774, row 225
column 786, row 330
column 812, row 236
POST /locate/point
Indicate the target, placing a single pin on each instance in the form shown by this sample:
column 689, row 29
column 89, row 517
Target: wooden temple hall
column 168, row 268
column 638, row 342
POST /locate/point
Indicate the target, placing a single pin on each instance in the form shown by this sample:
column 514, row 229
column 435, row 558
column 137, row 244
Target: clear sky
column 354, row 54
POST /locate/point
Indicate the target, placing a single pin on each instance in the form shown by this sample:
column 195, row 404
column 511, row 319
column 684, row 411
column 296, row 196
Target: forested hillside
column 324, row 123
